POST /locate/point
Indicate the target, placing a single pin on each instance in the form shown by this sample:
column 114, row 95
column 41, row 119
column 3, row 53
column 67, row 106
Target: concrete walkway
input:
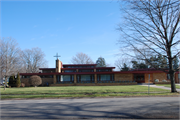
column 162, row 87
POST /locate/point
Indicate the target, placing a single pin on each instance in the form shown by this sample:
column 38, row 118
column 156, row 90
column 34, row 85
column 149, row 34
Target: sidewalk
column 162, row 87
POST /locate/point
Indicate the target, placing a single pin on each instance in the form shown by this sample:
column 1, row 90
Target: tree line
column 157, row 62
column 14, row 60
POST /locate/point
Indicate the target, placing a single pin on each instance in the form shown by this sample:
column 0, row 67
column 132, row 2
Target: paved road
column 96, row 108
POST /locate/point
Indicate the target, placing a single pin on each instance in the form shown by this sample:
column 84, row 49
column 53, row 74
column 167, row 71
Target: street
column 93, row 108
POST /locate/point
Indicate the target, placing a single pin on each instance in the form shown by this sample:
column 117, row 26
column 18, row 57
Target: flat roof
column 79, row 64
column 46, row 68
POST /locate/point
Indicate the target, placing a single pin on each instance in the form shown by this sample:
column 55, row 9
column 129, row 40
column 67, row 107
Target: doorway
column 139, row 78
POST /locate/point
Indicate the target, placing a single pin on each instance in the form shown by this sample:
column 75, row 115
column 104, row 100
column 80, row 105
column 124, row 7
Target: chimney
column 58, row 65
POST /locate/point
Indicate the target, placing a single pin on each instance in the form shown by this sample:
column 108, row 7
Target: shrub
column 18, row 82
column 35, row 80
column 12, row 81
column 156, row 80
column 164, row 80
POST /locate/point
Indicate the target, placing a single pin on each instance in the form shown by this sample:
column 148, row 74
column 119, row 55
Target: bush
column 12, row 81
column 164, row 80
column 156, row 80
column 18, row 82
column 35, row 80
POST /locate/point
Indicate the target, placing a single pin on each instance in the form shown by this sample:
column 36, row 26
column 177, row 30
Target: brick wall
column 123, row 77
column 44, row 81
column 48, row 71
column 176, row 78
column 160, row 76
column 25, row 81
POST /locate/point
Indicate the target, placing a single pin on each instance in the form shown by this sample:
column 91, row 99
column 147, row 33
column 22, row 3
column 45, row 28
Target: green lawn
column 81, row 91
column 168, row 85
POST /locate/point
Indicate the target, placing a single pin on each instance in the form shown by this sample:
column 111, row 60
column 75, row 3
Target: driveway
column 162, row 87
column 93, row 108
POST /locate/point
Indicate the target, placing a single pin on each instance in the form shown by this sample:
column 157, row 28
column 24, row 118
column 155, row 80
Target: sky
column 64, row 27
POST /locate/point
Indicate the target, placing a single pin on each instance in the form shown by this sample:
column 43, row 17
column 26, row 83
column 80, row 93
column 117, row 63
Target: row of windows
column 86, row 70
column 168, row 76
column 90, row 70
column 103, row 70
column 69, row 70
column 83, row 78
column 79, row 70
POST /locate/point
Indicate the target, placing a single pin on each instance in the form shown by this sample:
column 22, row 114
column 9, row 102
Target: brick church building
column 89, row 74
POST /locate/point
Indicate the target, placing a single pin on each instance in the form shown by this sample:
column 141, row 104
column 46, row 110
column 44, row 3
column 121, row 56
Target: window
column 139, row 77
column 85, row 77
column 103, row 70
column 168, row 76
column 178, row 76
column 26, row 76
column 66, row 78
column 112, row 77
column 105, row 77
column 86, row 70
column 69, row 70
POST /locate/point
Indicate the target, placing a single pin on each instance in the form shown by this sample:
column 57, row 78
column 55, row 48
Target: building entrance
column 139, row 78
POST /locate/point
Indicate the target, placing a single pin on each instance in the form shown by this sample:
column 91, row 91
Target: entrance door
column 139, row 78
column 147, row 78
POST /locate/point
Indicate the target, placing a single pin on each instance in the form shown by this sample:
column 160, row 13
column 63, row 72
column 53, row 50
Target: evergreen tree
column 12, row 81
column 163, row 62
column 18, row 82
column 101, row 62
column 125, row 68
column 175, row 63
column 142, row 66
column 137, row 65
column 157, row 62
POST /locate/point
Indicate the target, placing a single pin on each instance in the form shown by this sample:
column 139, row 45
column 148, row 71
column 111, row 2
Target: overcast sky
column 64, row 27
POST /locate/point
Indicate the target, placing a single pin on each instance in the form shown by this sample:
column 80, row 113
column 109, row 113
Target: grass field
column 81, row 91
column 168, row 85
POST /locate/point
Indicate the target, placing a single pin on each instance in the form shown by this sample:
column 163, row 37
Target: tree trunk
column 171, row 70
column 173, row 86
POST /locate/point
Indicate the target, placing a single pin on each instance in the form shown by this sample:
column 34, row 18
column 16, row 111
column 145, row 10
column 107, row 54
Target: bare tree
column 10, row 62
column 155, row 25
column 33, row 59
column 119, row 63
column 81, row 58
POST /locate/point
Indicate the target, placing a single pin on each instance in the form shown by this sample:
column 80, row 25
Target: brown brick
column 160, row 76
column 123, row 77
